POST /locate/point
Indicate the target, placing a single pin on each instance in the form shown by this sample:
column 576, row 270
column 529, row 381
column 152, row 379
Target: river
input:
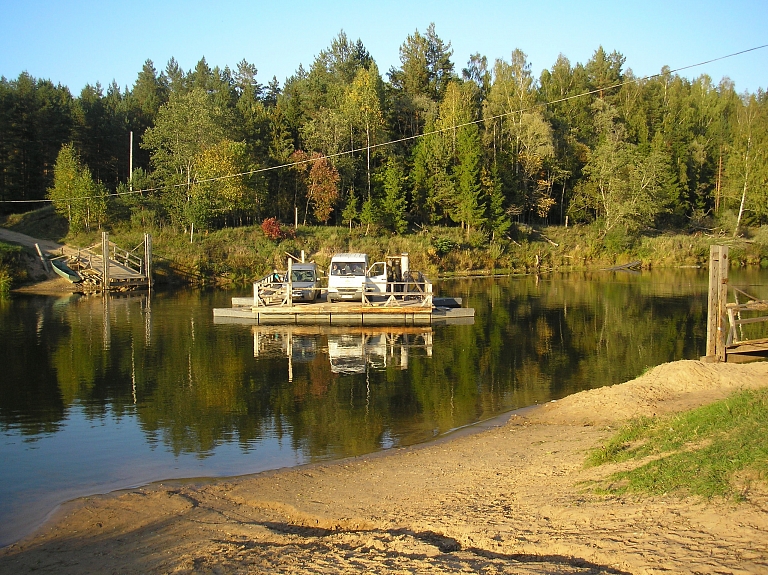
column 99, row 394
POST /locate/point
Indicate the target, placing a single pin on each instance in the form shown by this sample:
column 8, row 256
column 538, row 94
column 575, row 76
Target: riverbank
column 511, row 499
column 238, row 256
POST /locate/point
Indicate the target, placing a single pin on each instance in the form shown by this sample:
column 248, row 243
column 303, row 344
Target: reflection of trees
column 558, row 337
column 194, row 385
column 29, row 397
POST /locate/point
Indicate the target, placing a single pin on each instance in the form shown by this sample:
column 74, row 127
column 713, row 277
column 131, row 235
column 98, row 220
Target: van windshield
column 302, row 276
column 348, row 269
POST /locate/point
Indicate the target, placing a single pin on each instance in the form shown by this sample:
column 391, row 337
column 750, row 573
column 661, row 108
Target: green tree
column 75, row 194
column 35, row 120
column 143, row 102
column 747, row 175
column 604, row 71
column 426, row 65
column 477, row 71
column 364, row 103
column 221, row 190
column 497, row 219
column 350, row 212
column 393, row 203
column 420, row 83
column 100, row 132
column 468, row 209
column 520, row 136
column 281, row 147
column 623, row 187
column 186, row 126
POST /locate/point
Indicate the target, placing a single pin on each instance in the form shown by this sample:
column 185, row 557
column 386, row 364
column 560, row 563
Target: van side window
column 377, row 269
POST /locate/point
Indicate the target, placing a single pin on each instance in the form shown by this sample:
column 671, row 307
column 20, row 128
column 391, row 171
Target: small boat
column 62, row 269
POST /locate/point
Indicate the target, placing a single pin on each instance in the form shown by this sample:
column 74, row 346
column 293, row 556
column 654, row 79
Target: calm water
column 101, row 394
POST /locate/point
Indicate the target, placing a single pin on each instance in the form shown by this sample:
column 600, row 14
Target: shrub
column 618, row 241
column 5, row 282
column 444, row 245
column 274, row 231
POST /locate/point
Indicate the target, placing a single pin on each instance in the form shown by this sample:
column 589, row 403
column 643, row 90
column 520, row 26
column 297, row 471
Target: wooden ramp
column 124, row 269
column 745, row 351
column 738, row 349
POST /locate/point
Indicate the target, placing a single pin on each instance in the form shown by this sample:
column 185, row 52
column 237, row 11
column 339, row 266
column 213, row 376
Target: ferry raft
column 386, row 293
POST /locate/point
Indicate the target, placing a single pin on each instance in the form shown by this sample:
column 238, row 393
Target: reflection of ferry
column 349, row 350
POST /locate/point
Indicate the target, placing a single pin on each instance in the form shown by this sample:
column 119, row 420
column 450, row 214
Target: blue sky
column 80, row 42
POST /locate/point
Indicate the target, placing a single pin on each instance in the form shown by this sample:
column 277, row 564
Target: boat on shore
column 63, row 270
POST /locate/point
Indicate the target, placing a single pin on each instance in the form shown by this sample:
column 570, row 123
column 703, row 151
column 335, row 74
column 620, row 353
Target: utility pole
column 130, row 164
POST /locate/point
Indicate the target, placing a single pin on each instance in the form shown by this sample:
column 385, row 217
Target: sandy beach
column 509, row 499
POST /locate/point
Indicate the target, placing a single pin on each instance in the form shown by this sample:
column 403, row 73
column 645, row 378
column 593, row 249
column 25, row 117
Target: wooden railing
column 272, row 289
column 415, row 289
column 734, row 311
column 127, row 258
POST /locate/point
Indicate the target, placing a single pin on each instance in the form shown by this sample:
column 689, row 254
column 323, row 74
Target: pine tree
column 350, row 213
column 393, row 203
column 468, row 210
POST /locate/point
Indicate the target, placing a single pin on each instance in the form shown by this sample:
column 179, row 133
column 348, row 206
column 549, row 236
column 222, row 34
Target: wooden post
column 105, row 261
column 148, row 259
column 42, row 258
column 716, row 300
column 289, row 284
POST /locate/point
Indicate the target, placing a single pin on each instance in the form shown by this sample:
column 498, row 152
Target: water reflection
column 102, row 393
column 350, row 350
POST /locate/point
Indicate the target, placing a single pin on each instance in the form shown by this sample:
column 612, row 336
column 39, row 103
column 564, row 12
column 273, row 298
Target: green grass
column 43, row 223
column 715, row 450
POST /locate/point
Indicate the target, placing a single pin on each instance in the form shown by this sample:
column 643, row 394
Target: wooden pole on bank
column 105, row 261
column 148, row 259
column 716, row 300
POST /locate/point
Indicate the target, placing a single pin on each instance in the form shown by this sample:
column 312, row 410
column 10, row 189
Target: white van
column 346, row 277
column 350, row 275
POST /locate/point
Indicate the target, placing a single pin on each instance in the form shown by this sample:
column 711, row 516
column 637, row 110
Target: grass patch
column 43, row 223
column 700, row 452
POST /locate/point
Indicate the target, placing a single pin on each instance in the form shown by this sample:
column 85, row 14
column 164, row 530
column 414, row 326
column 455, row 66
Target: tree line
column 483, row 147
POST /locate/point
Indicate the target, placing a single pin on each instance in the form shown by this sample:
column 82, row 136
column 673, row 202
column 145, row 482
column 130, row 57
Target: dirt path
column 44, row 281
column 47, row 246
column 506, row 500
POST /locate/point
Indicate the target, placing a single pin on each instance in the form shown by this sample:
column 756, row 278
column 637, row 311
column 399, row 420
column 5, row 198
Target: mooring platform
column 342, row 313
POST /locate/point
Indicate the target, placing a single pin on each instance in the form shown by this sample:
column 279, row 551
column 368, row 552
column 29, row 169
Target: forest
column 485, row 147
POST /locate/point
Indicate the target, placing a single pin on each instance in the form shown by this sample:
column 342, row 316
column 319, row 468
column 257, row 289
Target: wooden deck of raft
column 342, row 313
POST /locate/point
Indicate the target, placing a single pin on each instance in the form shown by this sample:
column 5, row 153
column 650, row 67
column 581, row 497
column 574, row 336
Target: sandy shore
column 510, row 499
